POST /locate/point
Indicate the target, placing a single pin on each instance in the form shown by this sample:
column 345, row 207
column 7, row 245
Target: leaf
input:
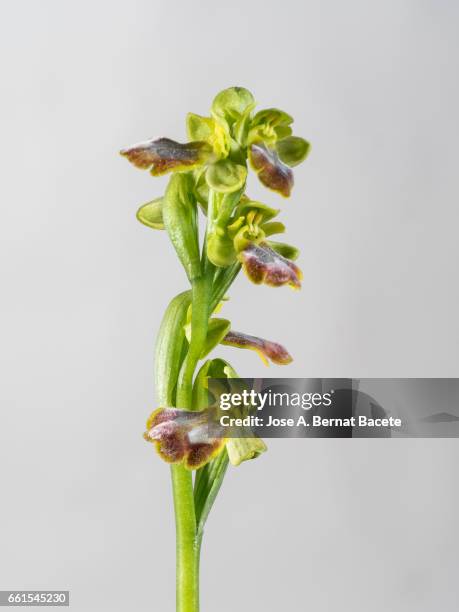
column 225, row 176
column 179, row 213
column 209, row 478
column 151, row 214
column 169, row 348
column 208, row 481
column 293, row 150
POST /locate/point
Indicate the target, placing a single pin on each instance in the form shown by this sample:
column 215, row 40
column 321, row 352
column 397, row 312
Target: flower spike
column 165, row 155
column 265, row 349
column 262, row 264
column 184, row 437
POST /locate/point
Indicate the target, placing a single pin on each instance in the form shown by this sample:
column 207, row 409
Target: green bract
column 179, row 213
column 209, row 174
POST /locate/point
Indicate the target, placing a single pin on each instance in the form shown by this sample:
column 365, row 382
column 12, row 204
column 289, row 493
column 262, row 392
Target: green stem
column 188, row 540
column 187, row 546
column 188, row 533
column 199, row 325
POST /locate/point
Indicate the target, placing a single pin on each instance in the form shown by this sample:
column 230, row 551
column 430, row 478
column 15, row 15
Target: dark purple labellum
column 263, row 265
column 164, row 155
column 273, row 173
column 266, row 349
column 182, row 436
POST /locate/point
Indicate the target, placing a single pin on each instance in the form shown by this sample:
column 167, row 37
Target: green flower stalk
column 208, row 177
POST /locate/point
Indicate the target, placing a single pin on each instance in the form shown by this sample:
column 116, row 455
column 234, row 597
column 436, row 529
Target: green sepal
column 151, row 214
column 292, row 150
column 283, row 131
column 286, row 250
column 179, row 214
column 225, row 176
column 244, row 449
column 170, row 348
column 231, row 103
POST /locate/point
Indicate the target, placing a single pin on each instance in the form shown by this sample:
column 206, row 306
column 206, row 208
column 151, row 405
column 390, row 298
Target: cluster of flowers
column 210, row 172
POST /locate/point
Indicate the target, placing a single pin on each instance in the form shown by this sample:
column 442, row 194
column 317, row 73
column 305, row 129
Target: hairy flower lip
column 164, row 155
column 183, row 436
column 263, row 265
column 266, row 349
column 272, row 172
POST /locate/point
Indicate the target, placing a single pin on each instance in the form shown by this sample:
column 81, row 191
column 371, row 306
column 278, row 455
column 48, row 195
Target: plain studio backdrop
column 319, row 525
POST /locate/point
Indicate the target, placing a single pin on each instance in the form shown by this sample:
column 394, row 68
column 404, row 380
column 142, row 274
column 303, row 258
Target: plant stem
column 187, row 584
column 199, row 325
column 187, row 538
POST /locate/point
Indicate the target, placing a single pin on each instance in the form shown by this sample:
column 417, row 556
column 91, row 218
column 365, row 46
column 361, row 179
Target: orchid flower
column 208, row 175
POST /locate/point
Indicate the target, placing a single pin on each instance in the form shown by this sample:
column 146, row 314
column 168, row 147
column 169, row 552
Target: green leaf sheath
column 180, row 220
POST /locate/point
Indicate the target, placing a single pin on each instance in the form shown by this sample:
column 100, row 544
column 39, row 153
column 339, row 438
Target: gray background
column 319, row 524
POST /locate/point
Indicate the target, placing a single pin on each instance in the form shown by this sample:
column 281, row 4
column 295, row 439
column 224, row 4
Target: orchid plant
column 209, row 174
